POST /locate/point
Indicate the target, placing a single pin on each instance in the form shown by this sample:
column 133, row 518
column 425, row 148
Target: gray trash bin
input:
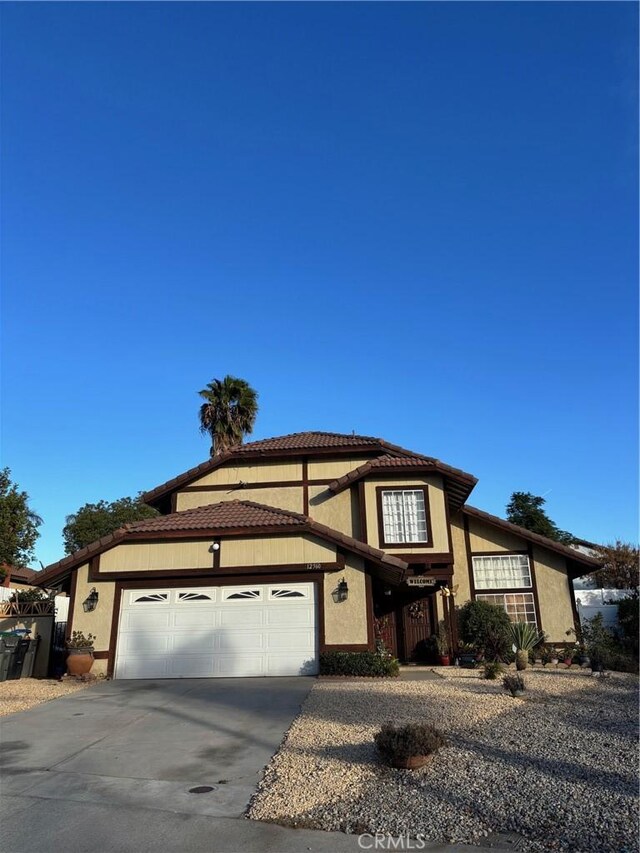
column 17, row 659
column 8, row 649
column 29, row 658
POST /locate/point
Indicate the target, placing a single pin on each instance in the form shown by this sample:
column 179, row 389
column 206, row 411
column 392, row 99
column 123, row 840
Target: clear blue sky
column 417, row 221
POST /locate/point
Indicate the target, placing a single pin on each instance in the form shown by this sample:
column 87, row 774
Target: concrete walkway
column 109, row 769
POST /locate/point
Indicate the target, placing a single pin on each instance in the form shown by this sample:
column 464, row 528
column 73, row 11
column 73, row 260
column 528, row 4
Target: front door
column 416, row 625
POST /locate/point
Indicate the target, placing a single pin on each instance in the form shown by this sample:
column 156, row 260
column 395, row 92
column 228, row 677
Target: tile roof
column 308, row 441
column 21, row 574
column 215, row 519
column 227, row 514
column 551, row 544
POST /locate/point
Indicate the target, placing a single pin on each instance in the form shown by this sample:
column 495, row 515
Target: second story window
column 404, row 516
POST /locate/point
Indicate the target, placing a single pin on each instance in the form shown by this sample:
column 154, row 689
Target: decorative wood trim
column 467, row 545
column 447, row 516
column 340, row 558
column 574, row 607
column 216, row 556
column 499, row 553
column 72, row 603
column 215, row 533
column 386, row 546
column 101, row 655
column 534, row 586
column 362, row 508
column 174, row 501
column 505, row 590
column 426, row 558
column 305, row 486
column 212, row 573
column 262, row 484
column 369, row 602
column 320, row 598
column 115, row 621
column 347, row 647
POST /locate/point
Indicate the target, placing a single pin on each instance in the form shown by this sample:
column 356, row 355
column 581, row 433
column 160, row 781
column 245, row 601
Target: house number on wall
column 314, row 566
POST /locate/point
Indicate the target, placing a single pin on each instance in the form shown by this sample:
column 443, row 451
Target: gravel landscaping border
column 558, row 766
column 20, row 694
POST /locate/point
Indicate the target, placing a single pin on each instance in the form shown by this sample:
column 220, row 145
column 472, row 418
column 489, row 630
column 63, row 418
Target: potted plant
column 525, row 638
column 442, row 640
column 409, row 747
column 568, row 657
column 80, row 653
column 554, row 657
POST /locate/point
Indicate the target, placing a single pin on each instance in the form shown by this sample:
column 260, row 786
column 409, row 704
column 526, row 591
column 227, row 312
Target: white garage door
column 222, row 631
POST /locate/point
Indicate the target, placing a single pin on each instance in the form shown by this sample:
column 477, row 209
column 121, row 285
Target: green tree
column 228, row 413
column 526, row 510
column 619, row 566
column 92, row 521
column 18, row 523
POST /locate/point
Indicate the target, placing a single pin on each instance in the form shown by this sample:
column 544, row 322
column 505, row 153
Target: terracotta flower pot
column 445, row 660
column 79, row 661
column 413, row 762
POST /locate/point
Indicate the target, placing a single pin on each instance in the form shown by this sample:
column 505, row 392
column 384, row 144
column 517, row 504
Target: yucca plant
column 525, row 637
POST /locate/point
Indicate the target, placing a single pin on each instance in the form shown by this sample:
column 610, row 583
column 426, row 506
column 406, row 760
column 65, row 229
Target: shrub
column 486, row 627
column 513, row 683
column 492, row 670
column 32, row 594
column 398, row 743
column 358, row 663
column 619, row 662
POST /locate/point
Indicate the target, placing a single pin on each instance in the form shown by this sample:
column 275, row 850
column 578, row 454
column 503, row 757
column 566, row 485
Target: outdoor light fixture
column 343, row 590
column 216, row 546
column 91, row 601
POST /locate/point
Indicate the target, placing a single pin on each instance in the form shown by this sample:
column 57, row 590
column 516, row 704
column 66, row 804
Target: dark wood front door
column 416, row 625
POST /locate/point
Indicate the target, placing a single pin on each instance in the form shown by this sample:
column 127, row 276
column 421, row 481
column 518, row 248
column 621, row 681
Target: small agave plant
column 525, row 637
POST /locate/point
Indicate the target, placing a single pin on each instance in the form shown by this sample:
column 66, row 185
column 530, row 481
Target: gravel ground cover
column 22, row 693
column 558, row 766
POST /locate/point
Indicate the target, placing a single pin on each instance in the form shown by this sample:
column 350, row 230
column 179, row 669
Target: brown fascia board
column 536, row 538
column 155, row 494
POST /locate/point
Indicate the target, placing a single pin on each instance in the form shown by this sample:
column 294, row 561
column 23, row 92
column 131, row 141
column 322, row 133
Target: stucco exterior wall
column 556, row 614
column 460, row 562
column 332, row 469
column 98, row 621
column 335, row 511
column 141, row 556
column 346, row 622
column 275, row 551
column 485, row 537
column 255, row 472
column 437, row 512
column 283, row 497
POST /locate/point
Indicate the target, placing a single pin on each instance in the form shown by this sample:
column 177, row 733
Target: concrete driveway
column 110, row 768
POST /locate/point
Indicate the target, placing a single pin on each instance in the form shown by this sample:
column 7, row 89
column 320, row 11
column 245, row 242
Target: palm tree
column 228, row 413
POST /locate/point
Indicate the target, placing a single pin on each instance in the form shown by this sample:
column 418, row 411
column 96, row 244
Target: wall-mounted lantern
column 343, row 590
column 91, row 601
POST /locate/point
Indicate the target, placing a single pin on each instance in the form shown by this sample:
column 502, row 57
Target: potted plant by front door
column 442, row 639
column 80, row 653
column 409, row 747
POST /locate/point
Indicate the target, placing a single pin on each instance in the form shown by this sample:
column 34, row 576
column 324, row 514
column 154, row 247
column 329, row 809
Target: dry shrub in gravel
column 395, row 743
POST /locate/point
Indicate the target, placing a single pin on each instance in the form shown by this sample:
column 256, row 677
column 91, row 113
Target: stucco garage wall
column 277, row 551
column 98, row 621
column 346, row 622
column 142, row 556
column 437, row 512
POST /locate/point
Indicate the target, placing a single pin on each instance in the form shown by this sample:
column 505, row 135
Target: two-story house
column 279, row 549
